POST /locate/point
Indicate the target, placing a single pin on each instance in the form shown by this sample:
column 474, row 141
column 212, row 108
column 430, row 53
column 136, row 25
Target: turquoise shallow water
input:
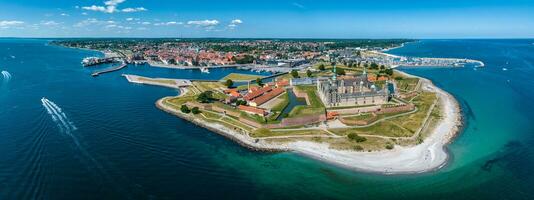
column 123, row 147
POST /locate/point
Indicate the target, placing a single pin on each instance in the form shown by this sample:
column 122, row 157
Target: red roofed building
column 266, row 97
column 235, row 94
column 282, row 83
column 254, row 93
column 252, row 110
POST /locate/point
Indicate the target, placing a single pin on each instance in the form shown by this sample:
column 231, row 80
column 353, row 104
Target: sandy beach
column 427, row 156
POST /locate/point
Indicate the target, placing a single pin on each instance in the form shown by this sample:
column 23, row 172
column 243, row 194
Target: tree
column 308, row 73
column 205, row 97
column 340, row 71
column 229, row 83
column 240, row 102
column 195, row 110
column 259, row 81
column 294, row 73
column 374, row 66
column 389, row 71
column 321, row 67
column 185, row 109
column 172, row 61
column 382, row 67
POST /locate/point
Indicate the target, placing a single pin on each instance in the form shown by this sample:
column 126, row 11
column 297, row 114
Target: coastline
column 427, row 156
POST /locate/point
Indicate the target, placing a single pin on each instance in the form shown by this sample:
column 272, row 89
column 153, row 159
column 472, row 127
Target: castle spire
column 335, row 73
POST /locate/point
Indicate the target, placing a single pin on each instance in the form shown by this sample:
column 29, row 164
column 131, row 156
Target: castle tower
column 335, row 74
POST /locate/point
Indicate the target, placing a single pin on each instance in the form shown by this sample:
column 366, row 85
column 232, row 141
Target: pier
column 123, row 65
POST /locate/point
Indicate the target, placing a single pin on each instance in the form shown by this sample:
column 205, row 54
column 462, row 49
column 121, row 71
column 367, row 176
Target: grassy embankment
column 315, row 107
column 237, row 77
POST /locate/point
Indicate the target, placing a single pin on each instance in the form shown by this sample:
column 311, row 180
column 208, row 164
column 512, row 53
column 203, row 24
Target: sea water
column 124, row 147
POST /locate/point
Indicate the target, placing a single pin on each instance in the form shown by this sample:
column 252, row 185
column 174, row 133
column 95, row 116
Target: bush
column 185, row 109
column 294, row 73
column 259, row 82
column 229, row 83
column 240, row 102
column 358, row 148
column 205, row 97
column 195, row 110
column 340, row 71
column 390, row 146
column 308, row 73
column 321, row 67
column 356, row 137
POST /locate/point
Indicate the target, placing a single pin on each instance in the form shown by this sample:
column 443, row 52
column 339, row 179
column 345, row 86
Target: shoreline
column 428, row 156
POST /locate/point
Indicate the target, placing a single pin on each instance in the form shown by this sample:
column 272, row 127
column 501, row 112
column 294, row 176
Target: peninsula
column 336, row 101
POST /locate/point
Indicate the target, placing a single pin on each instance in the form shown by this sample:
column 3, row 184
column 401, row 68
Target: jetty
column 123, row 65
column 164, row 82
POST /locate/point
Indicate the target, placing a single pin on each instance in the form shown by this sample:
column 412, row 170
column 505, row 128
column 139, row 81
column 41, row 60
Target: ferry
column 90, row 61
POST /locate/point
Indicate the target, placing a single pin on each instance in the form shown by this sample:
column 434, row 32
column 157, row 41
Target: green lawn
column 241, row 77
column 401, row 126
column 159, row 80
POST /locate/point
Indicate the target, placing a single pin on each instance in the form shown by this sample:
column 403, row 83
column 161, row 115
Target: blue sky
column 268, row 19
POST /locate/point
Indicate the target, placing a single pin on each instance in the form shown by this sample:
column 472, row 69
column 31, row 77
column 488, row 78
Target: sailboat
column 204, row 70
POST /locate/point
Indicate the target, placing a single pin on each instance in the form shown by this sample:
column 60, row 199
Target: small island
column 347, row 106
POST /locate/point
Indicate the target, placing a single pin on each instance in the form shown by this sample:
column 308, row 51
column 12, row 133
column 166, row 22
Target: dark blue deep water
column 123, row 147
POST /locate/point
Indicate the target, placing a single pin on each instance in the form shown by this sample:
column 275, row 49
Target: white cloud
column 204, row 23
column 138, row 9
column 49, row 23
column 145, row 23
column 233, row 24
column 64, row 14
column 168, row 23
column 6, row 23
column 98, row 8
column 236, row 21
column 93, row 22
column 84, row 13
column 110, row 6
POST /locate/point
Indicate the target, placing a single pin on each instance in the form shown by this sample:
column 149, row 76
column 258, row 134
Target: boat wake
column 58, row 116
column 6, row 75
column 67, row 127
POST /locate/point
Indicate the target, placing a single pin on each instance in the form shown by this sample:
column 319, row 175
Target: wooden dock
column 123, row 65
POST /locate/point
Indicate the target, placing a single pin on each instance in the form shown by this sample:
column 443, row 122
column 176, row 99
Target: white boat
column 89, row 61
column 504, row 69
column 204, row 70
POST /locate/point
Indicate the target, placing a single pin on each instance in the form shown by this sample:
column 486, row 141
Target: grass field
column 241, row 77
column 316, row 105
column 163, row 81
column 401, row 126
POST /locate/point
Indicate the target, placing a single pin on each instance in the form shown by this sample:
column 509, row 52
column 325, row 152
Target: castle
column 350, row 91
